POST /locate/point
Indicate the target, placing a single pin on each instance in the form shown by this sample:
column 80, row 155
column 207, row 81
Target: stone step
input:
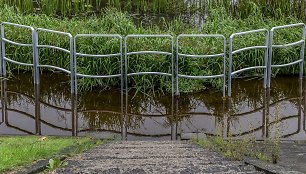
column 153, row 157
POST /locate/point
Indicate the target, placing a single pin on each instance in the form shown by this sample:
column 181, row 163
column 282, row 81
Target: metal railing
column 233, row 52
column 5, row 59
column 99, row 56
column 70, row 52
column 76, row 54
column 127, row 53
column 174, row 74
column 129, row 74
column 178, row 55
column 300, row 42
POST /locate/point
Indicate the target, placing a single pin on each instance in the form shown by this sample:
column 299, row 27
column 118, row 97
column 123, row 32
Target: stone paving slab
column 142, row 157
column 293, row 155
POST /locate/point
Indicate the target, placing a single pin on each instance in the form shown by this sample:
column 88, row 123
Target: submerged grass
column 111, row 21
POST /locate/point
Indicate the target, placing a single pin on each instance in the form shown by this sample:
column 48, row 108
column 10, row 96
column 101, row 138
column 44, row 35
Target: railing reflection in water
column 31, row 110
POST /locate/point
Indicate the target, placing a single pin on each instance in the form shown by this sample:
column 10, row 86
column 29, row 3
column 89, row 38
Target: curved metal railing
column 300, row 42
column 70, row 52
column 127, row 53
column 4, row 40
column 76, row 54
column 233, row 52
column 178, row 55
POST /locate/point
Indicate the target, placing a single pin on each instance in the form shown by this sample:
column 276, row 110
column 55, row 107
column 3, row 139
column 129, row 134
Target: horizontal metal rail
column 97, row 76
column 16, row 62
column 149, row 73
column 148, row 52
column 233, row 52
column 300, row 42
column 16, row 43
column 98, row 55
column 248, row 49
column 178, row 75
column 201, row 77
column 200, row 56
column 54, row 47
column 288, row 45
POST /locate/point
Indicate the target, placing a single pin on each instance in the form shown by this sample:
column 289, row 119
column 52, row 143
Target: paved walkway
column 140, row 157
column 293, row 155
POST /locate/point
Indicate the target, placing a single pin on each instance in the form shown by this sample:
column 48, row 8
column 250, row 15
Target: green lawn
column 20, row 151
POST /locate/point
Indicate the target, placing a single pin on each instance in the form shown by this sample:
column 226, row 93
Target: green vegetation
column 238, row 149
column 55, row 163
column 80, row 7
column 275, row 9
column 240, row 145
column 20, row 151
column 112, row 21
column 240, row 9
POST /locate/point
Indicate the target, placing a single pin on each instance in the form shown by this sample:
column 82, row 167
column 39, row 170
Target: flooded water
column 50, row 109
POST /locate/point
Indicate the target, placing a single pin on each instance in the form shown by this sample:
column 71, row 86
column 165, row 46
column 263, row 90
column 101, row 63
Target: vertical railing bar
column 72, row 70
column 75, row 66
column 270, row 58
column 172, row 64
column 266, row 61
column 224, row 68
column 229, row 90
column 1, row 71
column 3, row 62
column 177, row 68
column 35, row 56
column 302, row 54
column 124, row 129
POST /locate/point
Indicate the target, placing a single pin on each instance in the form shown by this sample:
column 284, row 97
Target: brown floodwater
column 50, row 109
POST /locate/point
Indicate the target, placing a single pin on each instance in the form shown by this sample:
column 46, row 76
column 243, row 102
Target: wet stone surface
column 141, row 157
column 293, row 155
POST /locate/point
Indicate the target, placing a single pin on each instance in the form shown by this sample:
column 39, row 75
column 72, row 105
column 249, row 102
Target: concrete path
column 293, row 155
column 140, row 157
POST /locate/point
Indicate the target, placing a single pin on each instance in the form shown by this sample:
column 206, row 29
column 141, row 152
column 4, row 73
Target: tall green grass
column 73, row 7
column 112, row 21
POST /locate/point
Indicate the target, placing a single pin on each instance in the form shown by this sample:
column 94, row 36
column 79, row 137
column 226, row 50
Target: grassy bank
column 112, row 21
column 21, row 151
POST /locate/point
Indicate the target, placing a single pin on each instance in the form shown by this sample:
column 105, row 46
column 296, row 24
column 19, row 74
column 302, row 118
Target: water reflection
column 50, row 109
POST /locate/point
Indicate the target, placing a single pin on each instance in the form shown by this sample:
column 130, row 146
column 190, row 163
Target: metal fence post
column 3, row 69
column 230, row 64
column 35, row 57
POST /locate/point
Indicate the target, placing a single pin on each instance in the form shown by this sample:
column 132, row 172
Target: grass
column 241, row 9
column 112, row 21
column 21, row 151
column 81, row 7
column 235, row 149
